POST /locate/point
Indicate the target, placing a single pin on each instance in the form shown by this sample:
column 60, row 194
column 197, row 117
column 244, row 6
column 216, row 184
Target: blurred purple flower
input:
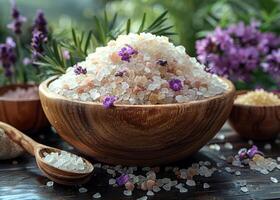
column 236, row 52
column 8, row 56
column 66, row 54
column 39, row 35
column 122, row 180
column 175, row 84
column 80, row 70
column 109, row 101
column 17, row 21
column 271, row 63
column 26, row 61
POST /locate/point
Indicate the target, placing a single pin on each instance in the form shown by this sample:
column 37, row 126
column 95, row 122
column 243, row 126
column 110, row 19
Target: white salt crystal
column 50, row 183
column 274, row 180
column 228, row 169
column 215, row 147
column 96, row 195
column 267, row 146
column 228, row 145
column 221, row 136
column 127, row 192
column 206, row 185
column 237, row 173
column 156, row 188
column 278, row 159
column 167, row 187
column 244, row 189
column 142, row 198
column 112, row 181
column 150, row 193
column 250, row 142
column 183, row 190
column 191, row 182
column 83, row 190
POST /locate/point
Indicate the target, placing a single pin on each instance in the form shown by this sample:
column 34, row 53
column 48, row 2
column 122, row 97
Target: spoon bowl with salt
column 59, row 166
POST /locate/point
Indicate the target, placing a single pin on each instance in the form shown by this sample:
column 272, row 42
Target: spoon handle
column 20, row 138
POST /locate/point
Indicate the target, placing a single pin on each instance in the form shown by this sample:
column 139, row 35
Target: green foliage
column 79, row 44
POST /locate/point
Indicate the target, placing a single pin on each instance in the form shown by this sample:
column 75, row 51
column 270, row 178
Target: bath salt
column 66, row 161
column 96, row 195
column 21, row 93
column 258, row 98
column 138, row 69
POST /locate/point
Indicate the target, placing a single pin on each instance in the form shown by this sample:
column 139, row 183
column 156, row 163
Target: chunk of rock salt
column 150, row 193
column 244, row 189
column 96, row 195
column 50, row 183
column 83, row 190
column 127, row 192
column 142, row 198
column 191, row 183
column 274, row 180
column 206, row 185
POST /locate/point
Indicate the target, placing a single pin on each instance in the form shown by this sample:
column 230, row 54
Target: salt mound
column 138, row 69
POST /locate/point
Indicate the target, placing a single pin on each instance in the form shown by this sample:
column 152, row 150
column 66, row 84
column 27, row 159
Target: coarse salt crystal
column 206, row 185
column 150, row 193
column 127, row 192
column 267, row 146
column 83, row 190
column 191, row 183
column 112, row 181
column 237, row 173
column 183, row 190
column 96, row 195
column 274, row 180
column 244, row 189
column 50, row 183
column 228, row 145
column 142, row 198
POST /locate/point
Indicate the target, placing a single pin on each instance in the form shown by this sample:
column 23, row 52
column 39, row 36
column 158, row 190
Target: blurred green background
column 192, row 18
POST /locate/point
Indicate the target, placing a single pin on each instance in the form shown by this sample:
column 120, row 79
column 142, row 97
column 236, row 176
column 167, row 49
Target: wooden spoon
column 57, row 175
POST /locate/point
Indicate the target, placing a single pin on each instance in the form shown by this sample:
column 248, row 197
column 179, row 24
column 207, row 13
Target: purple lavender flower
column 253, row 151
column 79, row 70
column 17, row 21
column 242, row 153
column 26, row 61
column 37, row 42
column 66, row 55
column 109, row 101
column 40, row 23
column 8, row 56
column 122, row 180
column 238, row 51
column 162, row 62
column 175, row 84
column 271, row 63
column 120, row 73
column 127, row 52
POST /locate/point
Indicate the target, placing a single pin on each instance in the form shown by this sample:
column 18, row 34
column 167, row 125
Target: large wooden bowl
column 255, row 122
column 26, row 115
column 137, row 134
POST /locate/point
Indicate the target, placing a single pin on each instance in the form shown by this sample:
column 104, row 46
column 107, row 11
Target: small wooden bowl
column 137, row 134
column 26, row 115
column 255, row 122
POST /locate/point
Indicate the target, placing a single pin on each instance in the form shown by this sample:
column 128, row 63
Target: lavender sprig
column 8, row 56
column 17, row 21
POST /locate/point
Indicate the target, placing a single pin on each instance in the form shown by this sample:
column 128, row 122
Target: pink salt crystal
column 150, row 184
column 144, row 186
column 21, row 94
column 129, row 186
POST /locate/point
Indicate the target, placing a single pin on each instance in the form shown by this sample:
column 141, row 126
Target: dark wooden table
column 24, row 181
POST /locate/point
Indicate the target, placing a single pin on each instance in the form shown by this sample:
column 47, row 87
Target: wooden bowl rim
column 3, row 99
column 240, row 92
column 43, row 88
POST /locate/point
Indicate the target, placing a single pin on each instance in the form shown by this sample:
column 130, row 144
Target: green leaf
column 128, row 26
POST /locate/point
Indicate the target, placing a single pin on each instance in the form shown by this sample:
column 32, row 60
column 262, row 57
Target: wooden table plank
column 24, row 180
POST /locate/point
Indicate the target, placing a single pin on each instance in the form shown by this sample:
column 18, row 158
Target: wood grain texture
column 255, row 122
column 63, row 177
column 25, row 115
column 137, row 134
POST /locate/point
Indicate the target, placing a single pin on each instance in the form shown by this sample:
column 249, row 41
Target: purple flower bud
column 79, row 70
column 40, row 23
column 175, row 84
column 122, row 180
column 127, row 52
column 242, row 153
column 162, row 62
column 120, row 73
column 17, row 21
column 66, row 55
column 8, row 56
column 26, row 61
column 109, row 101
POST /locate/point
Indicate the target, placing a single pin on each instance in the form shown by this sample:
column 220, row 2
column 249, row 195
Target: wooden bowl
column 26, row 115
column 137, row 134
column 255, row 122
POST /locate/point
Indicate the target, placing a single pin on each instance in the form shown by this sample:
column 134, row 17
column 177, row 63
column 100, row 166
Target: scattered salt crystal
column 206, row 185
column 83, row 190
column 244, row 189
column 191, row 182
column 237, row 173
column 127, row 192
column 112, row 181
column 167, row 187
column 250, row 142
column 219, row 164
column 50, row 183
column 274, row 180
column 150, row 193
column 96, row 195
column 215, row 147
column 183, row 190
column 267, row 146
column 228, row 145
column 156, row 188
column 220, row 136
column 142, row 198
column 228, row 169
column 222, row 157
